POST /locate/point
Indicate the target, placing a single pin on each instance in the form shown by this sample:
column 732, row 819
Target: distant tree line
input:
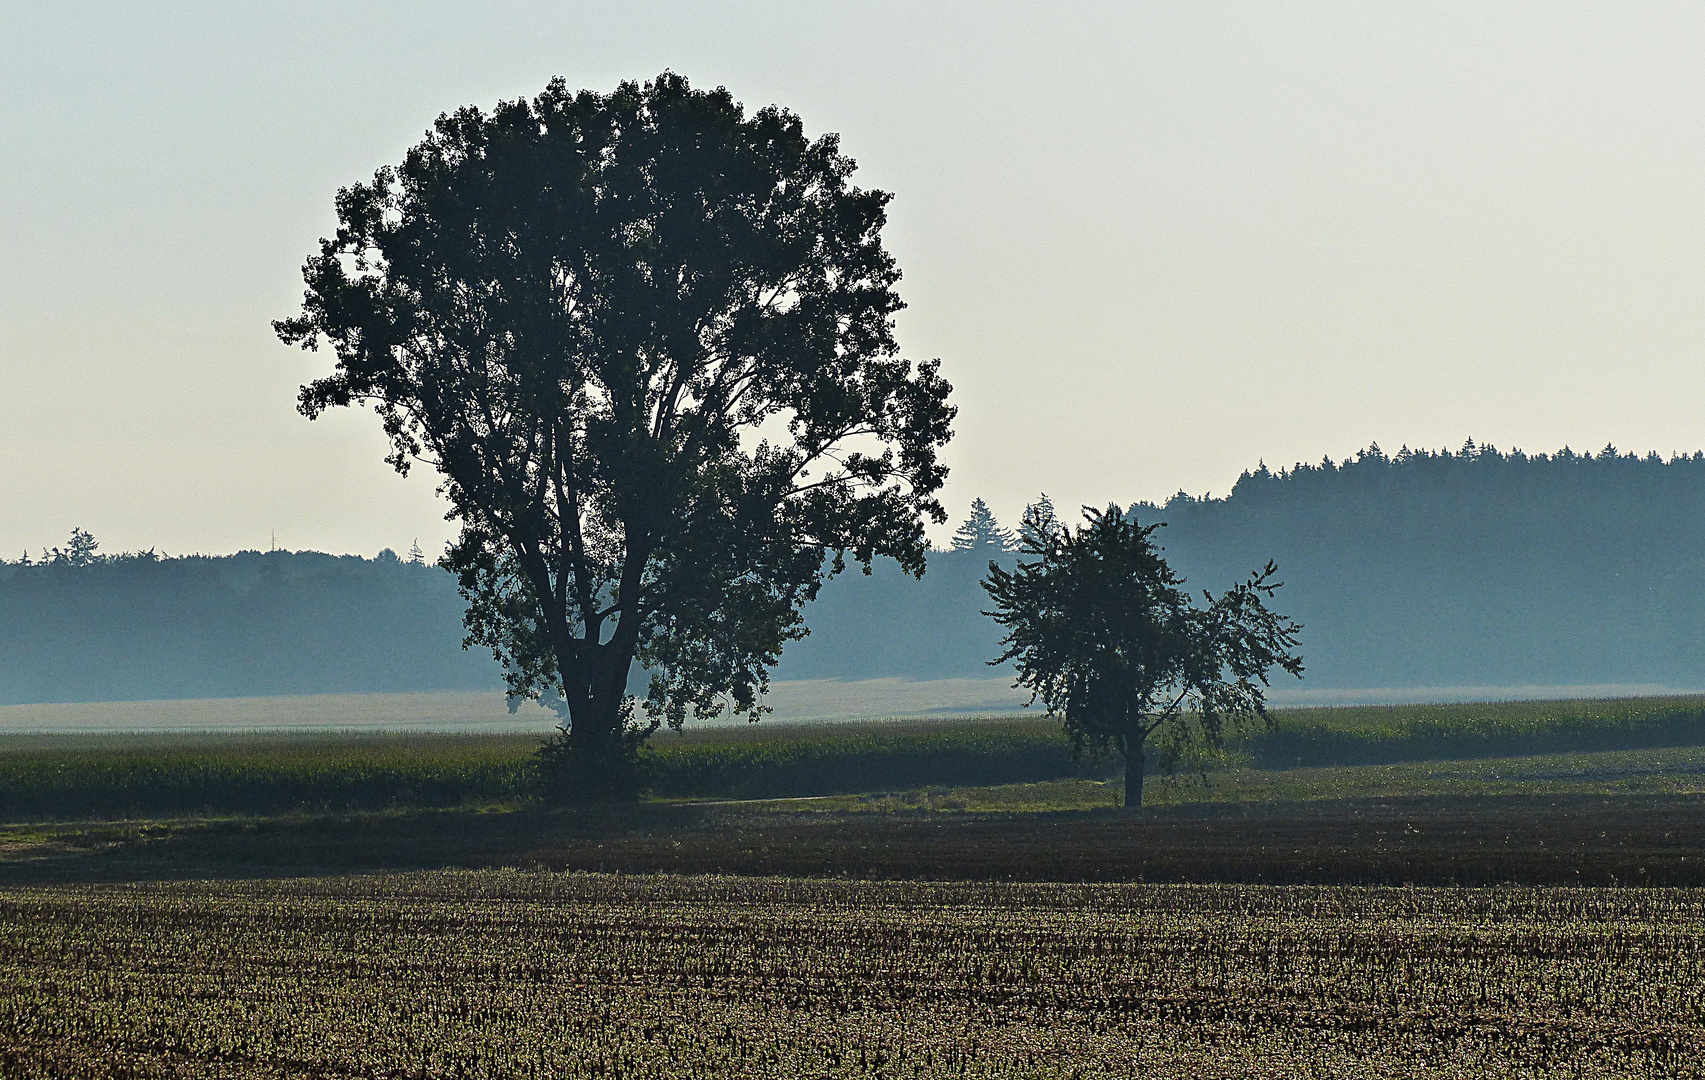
column 1473, row 567
column 79, row 625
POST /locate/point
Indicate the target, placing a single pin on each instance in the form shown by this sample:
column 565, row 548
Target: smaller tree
column 1038, row 523
column 981, row 531
column 80, row 550
column 1105, row 637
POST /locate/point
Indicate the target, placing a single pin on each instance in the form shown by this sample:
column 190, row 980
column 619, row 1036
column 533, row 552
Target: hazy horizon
column 1152, row 245
column 942, row 540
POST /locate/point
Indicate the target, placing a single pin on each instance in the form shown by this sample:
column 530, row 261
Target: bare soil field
column 1525, row 839
column 515, row 974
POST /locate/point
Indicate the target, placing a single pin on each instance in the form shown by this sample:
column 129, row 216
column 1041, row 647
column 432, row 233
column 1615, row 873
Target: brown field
column 516, row 974
column 1566, row 838
column 1483, row 917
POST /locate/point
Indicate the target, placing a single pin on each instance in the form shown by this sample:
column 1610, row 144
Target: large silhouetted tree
column 647, row 341
column 1103, row 634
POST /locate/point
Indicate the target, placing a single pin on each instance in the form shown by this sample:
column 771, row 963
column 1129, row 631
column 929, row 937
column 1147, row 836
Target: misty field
column 548, row 975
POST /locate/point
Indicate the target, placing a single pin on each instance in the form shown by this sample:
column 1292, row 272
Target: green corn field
column 70, row 777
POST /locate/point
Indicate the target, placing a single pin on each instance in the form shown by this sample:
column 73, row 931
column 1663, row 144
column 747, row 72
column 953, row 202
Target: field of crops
column 548, row 975
column 63, row 777
column 887, row 930
column 1386, row 734
column 45, row 777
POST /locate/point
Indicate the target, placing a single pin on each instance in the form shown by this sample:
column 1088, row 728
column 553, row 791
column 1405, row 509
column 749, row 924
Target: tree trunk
column 595, row 761
column 1133, row 777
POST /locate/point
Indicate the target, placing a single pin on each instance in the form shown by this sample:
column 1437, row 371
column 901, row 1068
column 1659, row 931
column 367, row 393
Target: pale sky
column 1152, row 243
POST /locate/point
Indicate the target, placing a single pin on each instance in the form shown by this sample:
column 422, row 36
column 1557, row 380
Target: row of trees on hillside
column 83, row 550
column 981, row 532
column 1482, row 470
column 128, row 627
column 1419, row 581
column 1473, row 567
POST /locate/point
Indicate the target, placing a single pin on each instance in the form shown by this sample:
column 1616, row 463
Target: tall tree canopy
column 647, row 341
column 1103, row 634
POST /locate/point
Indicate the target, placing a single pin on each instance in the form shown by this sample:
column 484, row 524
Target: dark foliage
column 891, row 625
column 1105, row 637
column 1421, row 569
column 982, row 533
column 1473, row 568
column 584, row 311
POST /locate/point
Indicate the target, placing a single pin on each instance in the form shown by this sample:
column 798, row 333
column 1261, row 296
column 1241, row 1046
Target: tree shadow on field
column 321, row 844
column 1437, row 840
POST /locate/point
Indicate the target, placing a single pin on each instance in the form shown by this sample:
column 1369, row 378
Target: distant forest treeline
column 1421, row 569
column 86, row 627
column 1472, row 568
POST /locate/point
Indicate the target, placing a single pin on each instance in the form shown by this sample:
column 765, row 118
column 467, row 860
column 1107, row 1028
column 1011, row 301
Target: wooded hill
column 1423, row 569
column 1473, row 568
column 136, row 627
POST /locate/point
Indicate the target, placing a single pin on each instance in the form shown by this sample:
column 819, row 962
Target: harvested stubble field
column 501, row 974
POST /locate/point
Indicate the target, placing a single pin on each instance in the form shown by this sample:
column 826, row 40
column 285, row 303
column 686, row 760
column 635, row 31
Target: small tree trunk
column 1133, row 777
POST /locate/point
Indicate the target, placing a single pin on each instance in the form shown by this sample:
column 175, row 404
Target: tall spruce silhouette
column 981, row 532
